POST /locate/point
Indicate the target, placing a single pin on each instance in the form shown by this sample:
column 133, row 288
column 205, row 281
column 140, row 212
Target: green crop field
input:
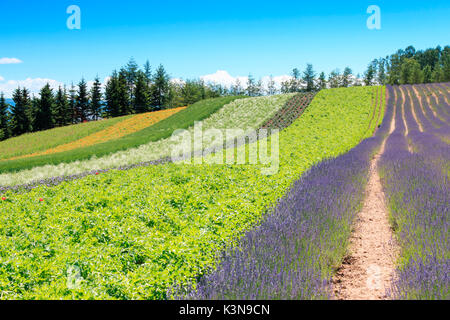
column 133, row 234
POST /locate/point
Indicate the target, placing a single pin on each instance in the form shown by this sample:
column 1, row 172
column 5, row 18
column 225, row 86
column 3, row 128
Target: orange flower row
column 121, row 129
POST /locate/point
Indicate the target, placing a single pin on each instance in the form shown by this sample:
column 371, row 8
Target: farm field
column 413, row 163
column 415, row 171
column 116, row 131
column 39, row 141
column 138, row 233
column 246, row 114
column 163, row 129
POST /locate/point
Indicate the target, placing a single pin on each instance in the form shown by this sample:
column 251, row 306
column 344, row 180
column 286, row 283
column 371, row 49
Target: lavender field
column 295, row 253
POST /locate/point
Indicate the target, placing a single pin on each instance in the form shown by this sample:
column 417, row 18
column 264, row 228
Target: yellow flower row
column 121, row 129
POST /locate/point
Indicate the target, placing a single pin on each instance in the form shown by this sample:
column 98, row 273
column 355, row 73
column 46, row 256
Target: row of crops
column 161, row 130
column 116, row 131
column 137, row 234
column 415, row 170
column 241, row 113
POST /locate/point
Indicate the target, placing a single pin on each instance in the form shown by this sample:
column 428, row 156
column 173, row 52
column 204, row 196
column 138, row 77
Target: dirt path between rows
column 419, row 97
column 413, row 105
column 368, row 269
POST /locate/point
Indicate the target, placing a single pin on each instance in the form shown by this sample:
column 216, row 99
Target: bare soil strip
column 368, row 269
column 414, row 111
column 419, row 96
column 410, row 149
column 432, row 105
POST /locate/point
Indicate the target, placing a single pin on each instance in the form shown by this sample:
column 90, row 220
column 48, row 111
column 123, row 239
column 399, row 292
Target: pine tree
column 19, row 118
column 72, row 116
column 4, row 125
column 322, row 81
column 259, row 88
column 61, row 110
column 251, row 86
column 148, row 73
column 309, row 76
column 82, row 101
column 44, row 119
column 95, row 105
column 237, row 89
column 160, row 89
column 112, row 104
column 141, row 94
column 29, row 112
column 334, row 79
column 271, row 90
column 123, row 94
column 346, row 77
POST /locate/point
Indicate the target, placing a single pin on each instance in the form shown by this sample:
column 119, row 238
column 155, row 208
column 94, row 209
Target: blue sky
column 195, row 38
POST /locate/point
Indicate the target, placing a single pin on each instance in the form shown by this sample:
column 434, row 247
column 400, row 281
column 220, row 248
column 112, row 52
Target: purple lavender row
column 427, row 118
column 293, row 253
column 439, row 105
column 427, row 142
column 417, row 193
column 431, row 137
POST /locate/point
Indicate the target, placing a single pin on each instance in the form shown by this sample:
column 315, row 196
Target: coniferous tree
column 148, row 73
column 346, row 77
column 61, row 110
column 141, row 94
column 160, row 89
column 271, row 90
column 19, row 118
column 237, row 89
column 35, row 103
column 308, row 77
column 29, row 112
column 95, row 105
column 251, row 86
column 44, row 118
column 72, row 116
column 82, row 101
column 4, row 125
column 259, row 88
column 112, row 105
column 123, row 94
column 322, row 81
column 334, row 79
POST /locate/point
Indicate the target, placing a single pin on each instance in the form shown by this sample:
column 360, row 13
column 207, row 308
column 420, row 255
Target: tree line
column 410, row 66
column 130, row 90
column 134, row 90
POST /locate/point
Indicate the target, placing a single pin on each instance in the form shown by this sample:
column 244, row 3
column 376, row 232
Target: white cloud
column 10, row 61
column 177, row 81
column 2, row 79
column 223, row 78
column 90, row 84
column 34, row 85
